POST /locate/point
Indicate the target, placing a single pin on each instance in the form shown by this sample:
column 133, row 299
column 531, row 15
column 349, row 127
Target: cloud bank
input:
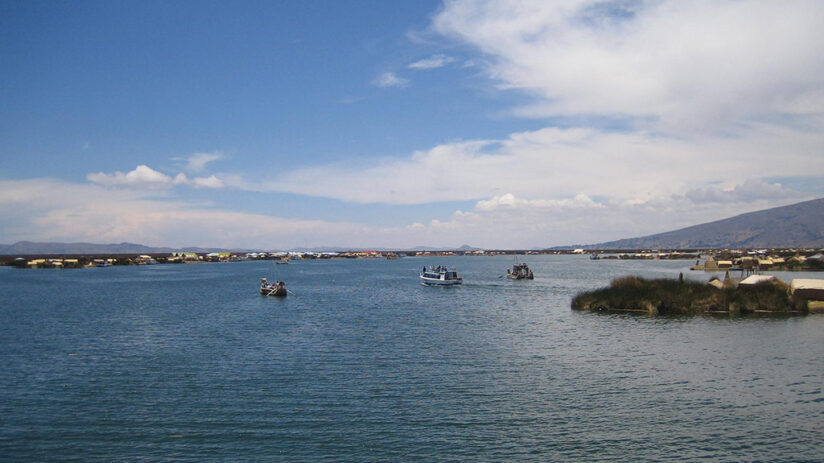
column 674, row 66
column 554, row 163
column 53, row 210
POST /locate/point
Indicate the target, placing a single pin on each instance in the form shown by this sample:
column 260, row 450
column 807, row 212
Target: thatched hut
column 753, row 280
column 808, row 288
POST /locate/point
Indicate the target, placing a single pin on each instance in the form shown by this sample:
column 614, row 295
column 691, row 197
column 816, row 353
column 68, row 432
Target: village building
column 144, row 259
column 753, row 280
column 187, row 256
column 808, row 288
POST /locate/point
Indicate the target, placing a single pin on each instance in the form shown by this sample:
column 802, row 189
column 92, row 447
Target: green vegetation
column 679, row 297
column 809, row 265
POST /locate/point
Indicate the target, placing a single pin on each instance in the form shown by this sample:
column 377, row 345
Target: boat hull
column 520, row 272
column 272, row 289
column 438, row 282
column 439, row 276
column 279, row 292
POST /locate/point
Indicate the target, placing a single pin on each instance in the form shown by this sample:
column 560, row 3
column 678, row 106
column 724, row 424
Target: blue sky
column 397, row 124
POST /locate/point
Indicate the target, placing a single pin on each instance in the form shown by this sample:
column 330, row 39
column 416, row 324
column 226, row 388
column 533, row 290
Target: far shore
column 716, row 260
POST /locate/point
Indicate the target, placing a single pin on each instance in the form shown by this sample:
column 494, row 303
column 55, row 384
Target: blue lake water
column 362, row 363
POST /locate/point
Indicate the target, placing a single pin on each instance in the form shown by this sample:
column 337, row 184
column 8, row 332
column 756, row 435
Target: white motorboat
column 440, row 276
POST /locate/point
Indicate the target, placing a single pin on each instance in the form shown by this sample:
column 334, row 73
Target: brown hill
column 798, row 225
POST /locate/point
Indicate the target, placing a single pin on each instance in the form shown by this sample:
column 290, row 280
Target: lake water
column 362, row 363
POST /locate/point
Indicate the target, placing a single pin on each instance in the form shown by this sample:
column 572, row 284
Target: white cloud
column 679, row 66
column 207, row 182
column 750, row 190
column 141, row 176
column 557, row 163
column 508, row 201
column 389, row 79
column 433, row 62
column 180, row 179
column 197, row 162
column 145, row 177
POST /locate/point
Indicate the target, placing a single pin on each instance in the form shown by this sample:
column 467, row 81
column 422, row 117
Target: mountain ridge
column 52, row 248
column 55, row 248
column 799, row 225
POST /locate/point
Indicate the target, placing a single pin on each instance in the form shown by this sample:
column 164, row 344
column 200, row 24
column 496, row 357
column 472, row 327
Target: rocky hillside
column 797, row 225
column 29, row 248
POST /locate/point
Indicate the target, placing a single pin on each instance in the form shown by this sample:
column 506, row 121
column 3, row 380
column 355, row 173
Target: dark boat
column 272, row 289
column 519, row 272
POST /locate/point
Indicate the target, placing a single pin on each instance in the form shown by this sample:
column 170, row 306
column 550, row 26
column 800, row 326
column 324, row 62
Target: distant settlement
column 715, row 260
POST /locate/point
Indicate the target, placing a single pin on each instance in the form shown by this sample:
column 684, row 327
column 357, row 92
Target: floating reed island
column 762, row 294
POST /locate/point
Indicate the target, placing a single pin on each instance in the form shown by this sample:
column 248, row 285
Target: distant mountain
column 22, row 248
column 464, row 247
column 326, row 249
column 798, row 225
column 29, row 247
column 32, row 248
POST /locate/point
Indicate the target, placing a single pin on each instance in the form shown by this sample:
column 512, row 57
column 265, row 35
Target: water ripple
column 189, row 363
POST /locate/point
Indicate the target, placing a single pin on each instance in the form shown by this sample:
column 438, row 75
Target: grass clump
column 679, row 297
column 764, row 297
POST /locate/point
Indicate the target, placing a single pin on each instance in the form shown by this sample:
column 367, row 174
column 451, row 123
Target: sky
column 373, row 124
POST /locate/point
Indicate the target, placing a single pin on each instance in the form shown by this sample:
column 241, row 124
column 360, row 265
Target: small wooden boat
column 272, row 289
